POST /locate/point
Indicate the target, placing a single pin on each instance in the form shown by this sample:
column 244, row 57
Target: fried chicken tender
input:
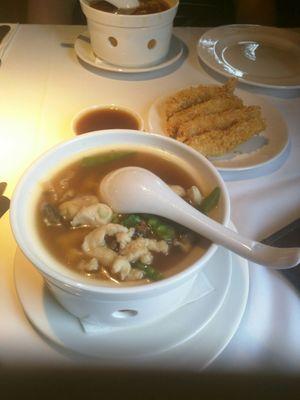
column 216, row 121
column 195, row 95
column 217, row 142
column 212, row 106
column 211, row 118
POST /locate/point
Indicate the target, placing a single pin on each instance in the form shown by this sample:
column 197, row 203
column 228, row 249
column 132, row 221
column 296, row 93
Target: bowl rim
column 115, row 106
column 125, row 21
column 86, row 3
column 69, row 283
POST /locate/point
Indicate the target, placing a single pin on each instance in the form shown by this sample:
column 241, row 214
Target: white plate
column 84, row 51
column 259, row 153
column 195, row 334
column 257, row 55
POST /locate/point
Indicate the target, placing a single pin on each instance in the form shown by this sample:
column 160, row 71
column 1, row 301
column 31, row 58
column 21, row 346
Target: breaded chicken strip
column 194, row 95
column 212, row 106
column 218, row 142
column 217, row 121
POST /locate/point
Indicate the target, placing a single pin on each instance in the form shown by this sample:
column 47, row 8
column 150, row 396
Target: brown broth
column 145, row 7
column 106, row 118
column 60, row 241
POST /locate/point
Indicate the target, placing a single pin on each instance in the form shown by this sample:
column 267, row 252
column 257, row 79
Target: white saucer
column 84, row 51
column 251, row 156
column 194, row 334
column 258, row 55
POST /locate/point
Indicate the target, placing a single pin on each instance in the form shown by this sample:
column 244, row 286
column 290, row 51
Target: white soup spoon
column 137, row 190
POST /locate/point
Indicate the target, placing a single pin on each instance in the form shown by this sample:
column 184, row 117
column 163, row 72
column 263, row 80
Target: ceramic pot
column 130, row 40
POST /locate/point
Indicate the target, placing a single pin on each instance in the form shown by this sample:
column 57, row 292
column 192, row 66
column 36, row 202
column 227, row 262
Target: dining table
column 43, row 85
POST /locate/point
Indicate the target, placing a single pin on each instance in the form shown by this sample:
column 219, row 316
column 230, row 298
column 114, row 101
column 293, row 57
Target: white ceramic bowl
column 87, row 299
column 84, row 112
column 130, row 40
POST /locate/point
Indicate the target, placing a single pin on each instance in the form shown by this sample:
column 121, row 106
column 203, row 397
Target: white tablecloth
column 42, row 86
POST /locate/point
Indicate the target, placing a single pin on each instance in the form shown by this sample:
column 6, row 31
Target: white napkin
column 7, row 39
column 200, row 288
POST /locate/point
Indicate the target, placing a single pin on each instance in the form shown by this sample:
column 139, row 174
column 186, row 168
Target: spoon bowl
column 124, row 4
column 134, row 189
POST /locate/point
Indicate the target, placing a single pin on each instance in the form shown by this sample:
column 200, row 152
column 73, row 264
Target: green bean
column 100, row 159
column 152, row 274
column 153, row 222
column 149, row 271
column 210, row 202
column 132, row 220
column 162, row 230
column 165, row 232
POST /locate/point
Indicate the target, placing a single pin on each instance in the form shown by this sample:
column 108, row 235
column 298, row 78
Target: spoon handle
column 278, row 258
column 134, row 189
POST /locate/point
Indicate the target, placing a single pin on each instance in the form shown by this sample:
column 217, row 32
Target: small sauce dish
column 100, row 117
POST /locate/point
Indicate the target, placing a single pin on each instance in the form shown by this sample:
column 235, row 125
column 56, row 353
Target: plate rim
column 210, row 60
column 105, row 66
column 42, row 325
column 244, row 277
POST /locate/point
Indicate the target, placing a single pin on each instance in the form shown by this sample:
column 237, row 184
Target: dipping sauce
column 145, row 7
column 105, row 118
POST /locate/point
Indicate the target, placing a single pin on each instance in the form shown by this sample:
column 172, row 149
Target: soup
column 145, row 7
column 85, row 235
column 105, row 118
